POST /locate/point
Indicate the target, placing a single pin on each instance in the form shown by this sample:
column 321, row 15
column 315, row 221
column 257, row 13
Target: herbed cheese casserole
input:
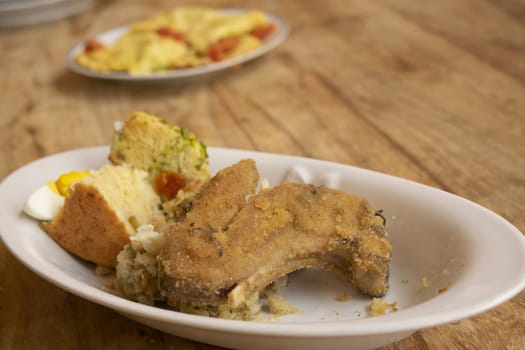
column 182, row 38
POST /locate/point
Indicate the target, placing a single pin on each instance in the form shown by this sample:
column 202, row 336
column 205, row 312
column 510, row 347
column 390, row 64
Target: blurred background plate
column 110, row 36
column 15, row 13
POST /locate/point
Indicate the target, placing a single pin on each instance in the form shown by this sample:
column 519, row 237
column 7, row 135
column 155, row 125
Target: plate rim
column 360, row 327
column 15, row 14
column 268, row 45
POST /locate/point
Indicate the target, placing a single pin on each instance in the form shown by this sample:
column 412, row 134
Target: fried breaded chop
column 292, row 226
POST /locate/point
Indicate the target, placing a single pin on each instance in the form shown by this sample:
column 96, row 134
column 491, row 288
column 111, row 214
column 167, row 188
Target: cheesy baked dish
column 182, row 38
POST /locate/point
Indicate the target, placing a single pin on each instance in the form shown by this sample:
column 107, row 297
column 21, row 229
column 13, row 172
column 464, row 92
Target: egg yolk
column 62, row 184
column 53, row 187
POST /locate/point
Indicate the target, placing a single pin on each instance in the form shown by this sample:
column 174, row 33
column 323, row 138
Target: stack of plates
column 14, row 13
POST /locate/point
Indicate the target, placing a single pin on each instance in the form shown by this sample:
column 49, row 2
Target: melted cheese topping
column 179, row 38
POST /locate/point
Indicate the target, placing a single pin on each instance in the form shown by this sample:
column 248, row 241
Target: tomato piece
column 218, row 50
column 179, row 37
column 228, row 44
column 170, row 33
column 92, row 45
column 215, row 53
column 168, row 183
column 164, row 31
column 263, row 31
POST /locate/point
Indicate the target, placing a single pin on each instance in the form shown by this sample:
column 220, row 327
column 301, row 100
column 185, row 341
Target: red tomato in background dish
column 215, row 53
column 263, row 31
column 218, row 50
column 92, row 45
column 170, row 33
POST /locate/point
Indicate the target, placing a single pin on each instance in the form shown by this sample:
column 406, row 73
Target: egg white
column 43, row 203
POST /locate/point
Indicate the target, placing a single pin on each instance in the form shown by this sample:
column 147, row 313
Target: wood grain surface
column 431, row 91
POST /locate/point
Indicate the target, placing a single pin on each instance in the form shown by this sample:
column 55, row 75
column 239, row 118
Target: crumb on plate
column 344, row 297
column 380, row 307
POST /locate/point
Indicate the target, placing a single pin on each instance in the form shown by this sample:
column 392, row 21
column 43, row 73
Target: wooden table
column 431, row 91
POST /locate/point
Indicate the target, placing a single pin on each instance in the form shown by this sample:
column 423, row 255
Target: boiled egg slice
column 45, row 202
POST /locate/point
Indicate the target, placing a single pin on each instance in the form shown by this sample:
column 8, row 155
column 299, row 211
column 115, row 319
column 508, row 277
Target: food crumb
column 424, row 282
column 279, row 306
column 344, row 297
column 262, row 204
column 101, row 270
column 265, row 184
column 111, row 286
column 442, row 289
column 380, row 307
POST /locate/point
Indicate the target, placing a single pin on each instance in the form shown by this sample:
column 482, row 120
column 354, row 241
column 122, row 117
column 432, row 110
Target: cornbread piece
column 102, row 210
column 219, row 257
column 173, row 156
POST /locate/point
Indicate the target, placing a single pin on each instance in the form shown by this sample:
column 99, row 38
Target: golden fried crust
column 213, row 208
column 88, row 227
column 289, row 227
column 223, row 196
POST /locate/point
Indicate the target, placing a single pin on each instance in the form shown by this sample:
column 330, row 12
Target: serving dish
column 110, row 36
column 452, row 259
column 15, row 13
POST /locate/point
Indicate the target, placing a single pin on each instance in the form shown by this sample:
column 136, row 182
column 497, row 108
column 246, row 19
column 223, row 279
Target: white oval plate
column 110, row 36
column 15, row 13
column 440, row 242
